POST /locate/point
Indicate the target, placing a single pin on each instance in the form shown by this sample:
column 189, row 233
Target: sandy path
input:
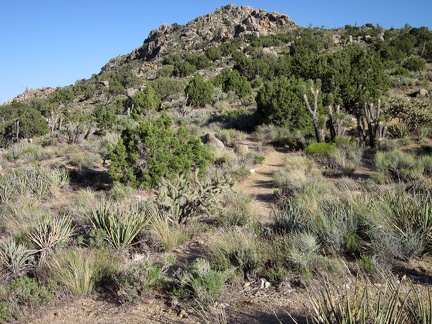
column 259, row 184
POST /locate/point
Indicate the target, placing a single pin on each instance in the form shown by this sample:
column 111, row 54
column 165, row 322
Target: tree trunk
column 17, row 130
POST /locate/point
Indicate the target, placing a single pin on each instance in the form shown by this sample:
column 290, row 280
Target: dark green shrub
column 281, row 103
column 213, row 53
column 21, row 121
column 414, row 64
column 145, row 100
column 105, row 115
column 198, row 91
column 183, row 69
column 154, row 150
column 166, row 87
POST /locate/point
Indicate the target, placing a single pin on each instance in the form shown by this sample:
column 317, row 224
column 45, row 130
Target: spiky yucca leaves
column 183, row 198
column 49, row 232
column 120, row 222
column 39, row 181
column 14, row 258
column 392, row 302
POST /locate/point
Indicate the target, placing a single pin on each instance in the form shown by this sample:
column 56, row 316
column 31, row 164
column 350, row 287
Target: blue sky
column 54, row 43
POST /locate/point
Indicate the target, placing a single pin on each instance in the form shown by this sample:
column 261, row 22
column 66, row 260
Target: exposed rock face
column 30, row 94
column 227, row 22
column 212, row 139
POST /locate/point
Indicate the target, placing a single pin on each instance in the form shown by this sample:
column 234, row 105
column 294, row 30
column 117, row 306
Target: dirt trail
column 154, row 310
column 259, row 184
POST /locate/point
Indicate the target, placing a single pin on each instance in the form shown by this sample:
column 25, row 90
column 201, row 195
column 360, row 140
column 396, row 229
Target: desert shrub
column 289, row 216
column 121, row 192
column 155, row 150
column 297, row 177
column 20, row 294
column 336, row 225
column 119, row 223
column 140, row 277
column 28, row 152
column 226, row 136
column 320, row 148
column 396, row 224
column 236, row 248
column 19, row 215
column 399, row 165
column 348, row 159
column 204, row 283
column 84, row 160
column 297, row 251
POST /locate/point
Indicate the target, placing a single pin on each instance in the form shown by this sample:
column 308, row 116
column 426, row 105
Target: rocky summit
column 225, row 23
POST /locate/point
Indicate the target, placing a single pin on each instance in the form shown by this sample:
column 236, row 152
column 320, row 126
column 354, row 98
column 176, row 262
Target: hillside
column 239, row 169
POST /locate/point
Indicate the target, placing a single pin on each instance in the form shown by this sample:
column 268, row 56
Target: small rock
column 223, row 306
column 183, row 314
column 423, row 93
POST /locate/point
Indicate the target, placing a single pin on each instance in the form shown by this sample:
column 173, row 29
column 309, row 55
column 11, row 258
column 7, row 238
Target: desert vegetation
column 130, row 182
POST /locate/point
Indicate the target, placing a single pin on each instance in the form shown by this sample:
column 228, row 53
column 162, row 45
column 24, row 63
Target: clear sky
column 54, row 43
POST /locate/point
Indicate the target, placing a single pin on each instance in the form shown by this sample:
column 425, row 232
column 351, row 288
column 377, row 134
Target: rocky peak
column 226, row 22
column 30, row 94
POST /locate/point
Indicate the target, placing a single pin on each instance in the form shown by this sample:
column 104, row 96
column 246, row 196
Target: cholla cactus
column 183, row 198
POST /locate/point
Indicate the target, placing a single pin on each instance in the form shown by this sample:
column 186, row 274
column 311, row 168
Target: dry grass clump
column 76, row 269
column 168, row 234
column 19, row 215
column 236, row 209
column 236, row 248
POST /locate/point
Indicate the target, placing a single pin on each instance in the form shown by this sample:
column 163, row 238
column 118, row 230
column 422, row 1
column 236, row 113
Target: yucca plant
column 14, row 258
column 121, row 222
column 392, row 302
column 49, row 232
